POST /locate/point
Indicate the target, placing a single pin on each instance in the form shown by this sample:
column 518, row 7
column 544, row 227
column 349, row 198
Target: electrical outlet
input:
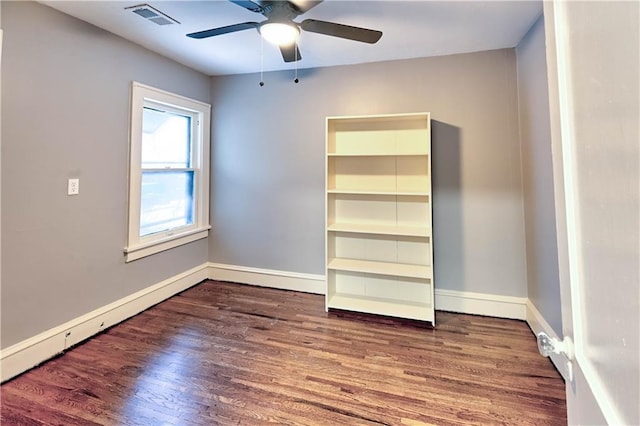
column 73, row 188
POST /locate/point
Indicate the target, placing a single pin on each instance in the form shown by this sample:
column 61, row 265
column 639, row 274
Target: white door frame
column 589, row 400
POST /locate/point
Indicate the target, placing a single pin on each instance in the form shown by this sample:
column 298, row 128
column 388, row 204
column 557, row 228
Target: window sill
column 139, row 251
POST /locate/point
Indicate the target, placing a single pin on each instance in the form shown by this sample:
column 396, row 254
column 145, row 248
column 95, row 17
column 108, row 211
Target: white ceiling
column 411, row 29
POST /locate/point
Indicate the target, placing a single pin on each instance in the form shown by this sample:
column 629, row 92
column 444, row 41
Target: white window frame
column 141, row 96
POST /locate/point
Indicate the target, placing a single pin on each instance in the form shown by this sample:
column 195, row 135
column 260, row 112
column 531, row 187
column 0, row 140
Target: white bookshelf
column 378, row 223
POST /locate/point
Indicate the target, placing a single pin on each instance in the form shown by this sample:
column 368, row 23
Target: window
column 168, row 171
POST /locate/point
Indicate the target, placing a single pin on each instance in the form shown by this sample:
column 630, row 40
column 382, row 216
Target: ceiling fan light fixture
column 279, row 33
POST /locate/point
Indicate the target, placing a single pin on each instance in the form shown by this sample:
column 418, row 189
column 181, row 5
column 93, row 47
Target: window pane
column 166, row 201
column 166, row 139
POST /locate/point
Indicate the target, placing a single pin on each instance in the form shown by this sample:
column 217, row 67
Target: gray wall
column 65, row 105
column 268, row 163
column 537, row 175
column 65, row 113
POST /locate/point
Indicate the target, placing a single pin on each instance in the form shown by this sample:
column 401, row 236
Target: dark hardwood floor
column 222, row 353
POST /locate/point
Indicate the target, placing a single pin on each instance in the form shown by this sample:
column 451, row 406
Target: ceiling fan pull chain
column 296, row 65
column 261, row 62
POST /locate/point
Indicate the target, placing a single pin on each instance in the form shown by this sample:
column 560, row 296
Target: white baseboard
column 491, row 305
column 538, row 324
column 34, row 350
column 284, row 280
column 446, row 300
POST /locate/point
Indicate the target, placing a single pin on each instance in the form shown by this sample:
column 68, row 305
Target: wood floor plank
column 223, row 353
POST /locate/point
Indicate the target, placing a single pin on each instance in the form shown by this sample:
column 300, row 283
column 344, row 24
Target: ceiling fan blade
column 249, row 5
column 340, row 30
column 223, row 30
column 304, row 6
column 290, row 53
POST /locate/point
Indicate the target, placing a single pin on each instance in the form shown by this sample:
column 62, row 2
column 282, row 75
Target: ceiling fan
column 281, row 29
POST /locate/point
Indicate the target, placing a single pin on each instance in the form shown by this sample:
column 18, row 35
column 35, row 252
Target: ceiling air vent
column 152, row 14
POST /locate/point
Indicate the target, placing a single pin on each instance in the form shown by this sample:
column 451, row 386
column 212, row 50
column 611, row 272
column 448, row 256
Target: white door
column 593, row 66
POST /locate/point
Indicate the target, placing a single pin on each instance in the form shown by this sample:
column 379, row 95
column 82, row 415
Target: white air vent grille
column 152, row 14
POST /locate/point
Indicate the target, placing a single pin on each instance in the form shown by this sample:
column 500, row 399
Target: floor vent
column 152, row 14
